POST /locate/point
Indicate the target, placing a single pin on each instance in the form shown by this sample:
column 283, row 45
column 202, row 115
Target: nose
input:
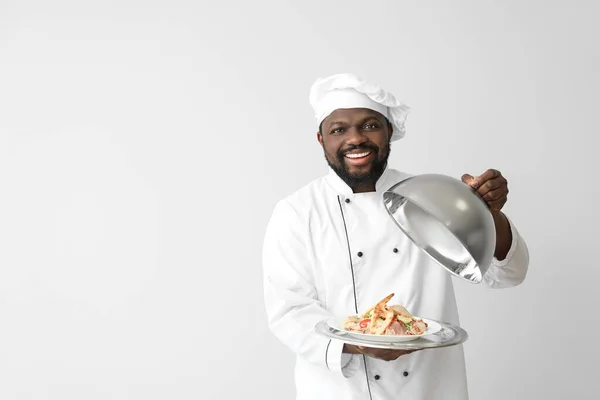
column 355, row 136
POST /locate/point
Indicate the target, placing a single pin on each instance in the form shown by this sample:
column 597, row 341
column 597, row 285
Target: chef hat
column 349, row 91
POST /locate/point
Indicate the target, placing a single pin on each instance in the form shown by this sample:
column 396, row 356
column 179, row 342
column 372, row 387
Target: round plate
column 448, row 335
column 432, row 327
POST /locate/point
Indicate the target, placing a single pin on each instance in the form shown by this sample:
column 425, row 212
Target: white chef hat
column 349, row 91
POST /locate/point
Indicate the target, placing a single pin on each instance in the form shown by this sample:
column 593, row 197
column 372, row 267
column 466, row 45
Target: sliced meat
column 396, row 328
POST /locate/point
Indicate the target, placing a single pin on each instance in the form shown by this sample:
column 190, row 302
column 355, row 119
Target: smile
column 358, row 155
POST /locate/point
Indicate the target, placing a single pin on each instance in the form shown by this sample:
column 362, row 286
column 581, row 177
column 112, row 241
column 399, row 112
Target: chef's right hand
column 381, row 354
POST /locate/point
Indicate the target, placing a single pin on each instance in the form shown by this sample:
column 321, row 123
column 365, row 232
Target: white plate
column 432, row 328
column 448, row 335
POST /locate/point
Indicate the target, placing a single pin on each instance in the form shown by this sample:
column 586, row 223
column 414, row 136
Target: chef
column 332, row 250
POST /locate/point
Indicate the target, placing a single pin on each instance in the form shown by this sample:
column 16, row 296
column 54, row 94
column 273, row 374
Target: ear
column 390, row 130
column 320, row 138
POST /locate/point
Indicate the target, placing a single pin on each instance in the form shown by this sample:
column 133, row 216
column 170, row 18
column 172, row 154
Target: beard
column 357, row 179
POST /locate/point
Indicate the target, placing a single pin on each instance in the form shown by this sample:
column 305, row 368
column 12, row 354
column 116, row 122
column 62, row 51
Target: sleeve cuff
column 512, row 270
column 337, row 361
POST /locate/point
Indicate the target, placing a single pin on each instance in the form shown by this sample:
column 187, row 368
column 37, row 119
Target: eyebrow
column 370, row 117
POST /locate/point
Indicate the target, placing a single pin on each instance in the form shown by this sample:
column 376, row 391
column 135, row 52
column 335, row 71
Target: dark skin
column 346, row 135
column 493, row 188
column 354, row 131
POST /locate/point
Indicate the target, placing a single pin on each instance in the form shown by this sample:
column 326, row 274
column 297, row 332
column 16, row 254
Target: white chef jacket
column 329, row 252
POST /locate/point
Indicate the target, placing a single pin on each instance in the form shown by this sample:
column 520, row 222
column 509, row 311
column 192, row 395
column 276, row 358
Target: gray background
column 143, row 145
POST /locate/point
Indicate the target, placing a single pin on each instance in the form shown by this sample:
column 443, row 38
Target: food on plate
column 382, row 319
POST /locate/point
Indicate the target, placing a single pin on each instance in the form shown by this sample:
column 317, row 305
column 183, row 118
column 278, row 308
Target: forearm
column 503, row 235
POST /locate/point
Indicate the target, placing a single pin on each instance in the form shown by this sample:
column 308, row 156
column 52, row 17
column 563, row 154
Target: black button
column 395, row 250
column 377, row 377
column 347, row 200
column 359, row 254
column 405, row 373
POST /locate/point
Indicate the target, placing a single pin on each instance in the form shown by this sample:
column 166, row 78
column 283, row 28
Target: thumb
column 470, row 180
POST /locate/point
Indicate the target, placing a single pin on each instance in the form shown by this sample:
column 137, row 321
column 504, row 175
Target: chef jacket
column 331, row 253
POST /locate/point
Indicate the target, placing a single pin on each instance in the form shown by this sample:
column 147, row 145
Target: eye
column 337, row 131
column 371, row 125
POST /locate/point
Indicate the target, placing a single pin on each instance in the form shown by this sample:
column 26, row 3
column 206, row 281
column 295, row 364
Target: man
column 331, row 250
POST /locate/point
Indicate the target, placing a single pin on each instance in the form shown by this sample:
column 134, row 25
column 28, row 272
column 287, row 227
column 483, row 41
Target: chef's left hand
column 380, row 354
column 491, row 186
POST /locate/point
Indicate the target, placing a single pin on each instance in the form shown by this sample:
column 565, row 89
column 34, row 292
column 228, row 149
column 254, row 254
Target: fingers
column 383, row 354
column 376, row 353
column 394, row 354
column 478, row 181
column 387, row 355
column 488, row 175
column 491, row 186
column 493, row 190
column 469, row 180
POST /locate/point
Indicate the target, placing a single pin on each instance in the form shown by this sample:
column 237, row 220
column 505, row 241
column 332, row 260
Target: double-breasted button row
column 360, row 253
column 378, row 377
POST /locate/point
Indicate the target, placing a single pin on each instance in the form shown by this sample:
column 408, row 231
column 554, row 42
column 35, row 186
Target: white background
column 143, row 145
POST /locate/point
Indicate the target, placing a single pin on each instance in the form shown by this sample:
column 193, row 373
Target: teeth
column 359, row 155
